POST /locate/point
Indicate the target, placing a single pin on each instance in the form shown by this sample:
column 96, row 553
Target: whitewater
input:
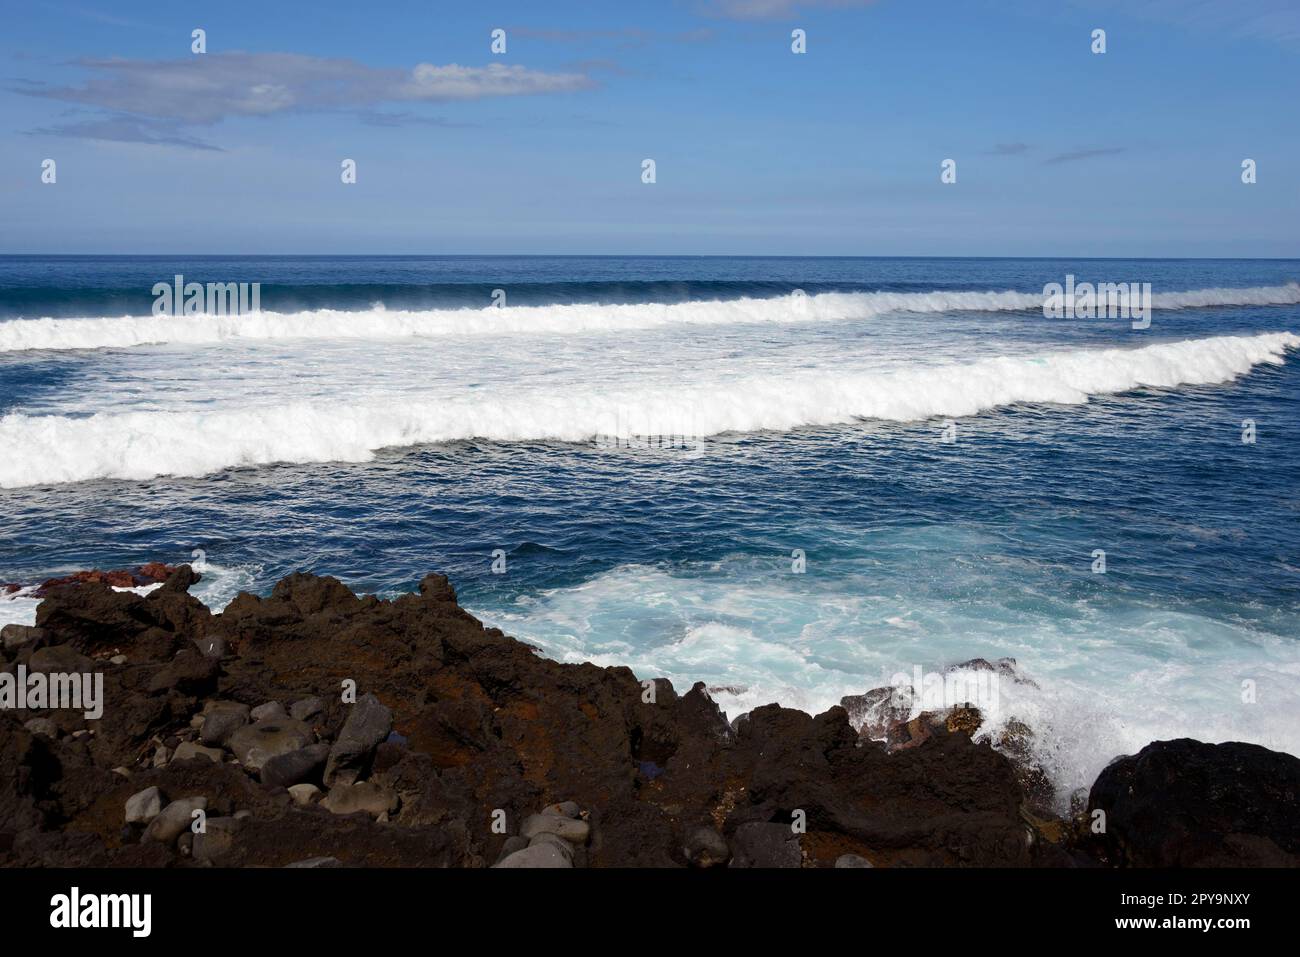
column 378, row 323
column 50, row 449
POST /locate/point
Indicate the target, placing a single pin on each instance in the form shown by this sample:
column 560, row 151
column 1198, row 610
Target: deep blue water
column 918, row 551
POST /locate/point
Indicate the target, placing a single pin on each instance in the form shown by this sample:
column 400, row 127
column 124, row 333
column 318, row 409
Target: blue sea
column 788, row 478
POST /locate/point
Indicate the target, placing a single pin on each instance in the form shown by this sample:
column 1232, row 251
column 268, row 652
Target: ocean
column 789, row 478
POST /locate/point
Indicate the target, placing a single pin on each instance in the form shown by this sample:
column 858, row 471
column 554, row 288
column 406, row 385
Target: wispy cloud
column 1076, row 155
column 773, row 9
column 127, row 129
column 203, row 90
column 1009, row 149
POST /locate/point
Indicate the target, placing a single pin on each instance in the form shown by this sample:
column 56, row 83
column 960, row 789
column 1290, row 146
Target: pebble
column 44, row 726
column 852, row 860
column 174, row 820
column 304, row 794
column 143, row 806
column 705, row 847
column 317, row 862
column 117, row 660
column 188, row 749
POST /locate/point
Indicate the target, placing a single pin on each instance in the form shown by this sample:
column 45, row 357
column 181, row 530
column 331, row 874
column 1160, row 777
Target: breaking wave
column 378, row 323
column 143, row 444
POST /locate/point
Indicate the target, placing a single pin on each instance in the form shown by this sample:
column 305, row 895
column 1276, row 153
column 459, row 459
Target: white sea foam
column 1099, row 684
column 51, row 449
column 577, row 318
column 217, row 588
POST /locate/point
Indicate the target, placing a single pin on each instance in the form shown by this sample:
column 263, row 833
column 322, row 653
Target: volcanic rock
column 1183, row 803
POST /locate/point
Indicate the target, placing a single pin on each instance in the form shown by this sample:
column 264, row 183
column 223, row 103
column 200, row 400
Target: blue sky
column 1059, row 151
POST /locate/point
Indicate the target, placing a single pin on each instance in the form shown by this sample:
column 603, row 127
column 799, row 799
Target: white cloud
column 201, row 90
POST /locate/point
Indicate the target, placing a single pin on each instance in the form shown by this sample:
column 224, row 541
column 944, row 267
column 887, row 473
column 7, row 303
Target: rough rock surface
column 465, row 748
column 1187, row 804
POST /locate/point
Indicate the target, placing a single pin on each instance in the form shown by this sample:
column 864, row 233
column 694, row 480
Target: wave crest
column 377, row 323
column 142, row 445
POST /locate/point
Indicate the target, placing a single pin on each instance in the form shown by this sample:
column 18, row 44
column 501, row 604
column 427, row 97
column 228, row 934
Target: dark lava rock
column 368, row 724
column 487, row 730
column 766, row 845
column 1187, row 804
column 295, row 766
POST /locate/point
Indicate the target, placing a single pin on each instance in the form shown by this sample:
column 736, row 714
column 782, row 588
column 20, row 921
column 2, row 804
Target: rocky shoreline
column 315, row 727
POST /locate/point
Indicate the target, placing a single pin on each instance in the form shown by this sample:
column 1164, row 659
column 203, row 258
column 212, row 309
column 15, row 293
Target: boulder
column 368, row 723
column 1184, row 803
column 19, row 636
column 875, row 713
column 512, row 844
column 255, row 744
column 59, row 658
column 219, row 723
column 294, row 767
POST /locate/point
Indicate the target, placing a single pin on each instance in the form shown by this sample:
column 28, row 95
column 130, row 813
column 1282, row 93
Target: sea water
column 787, row 478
